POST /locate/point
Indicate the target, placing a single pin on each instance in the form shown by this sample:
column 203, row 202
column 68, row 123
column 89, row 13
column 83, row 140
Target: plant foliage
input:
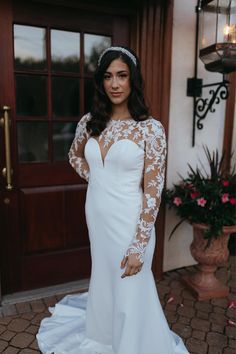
column 206, row 197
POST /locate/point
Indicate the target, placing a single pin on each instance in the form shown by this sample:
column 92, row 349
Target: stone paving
column 207, row 327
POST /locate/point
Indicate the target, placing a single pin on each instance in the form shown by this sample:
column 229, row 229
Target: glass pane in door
column 94, row 45
column 65, row 51
column 32, row 141
column 31, row 95
column 63, row 134
column 29, row 47
column 88, row 94
column 65, row 97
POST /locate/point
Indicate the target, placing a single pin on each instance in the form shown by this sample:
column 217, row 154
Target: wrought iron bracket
column 202, row 106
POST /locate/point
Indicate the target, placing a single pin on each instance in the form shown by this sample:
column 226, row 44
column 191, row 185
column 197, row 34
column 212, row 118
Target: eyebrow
column 118, row 72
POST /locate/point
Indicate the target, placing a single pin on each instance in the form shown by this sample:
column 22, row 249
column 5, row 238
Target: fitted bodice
column 125, row 154
column 121, row 169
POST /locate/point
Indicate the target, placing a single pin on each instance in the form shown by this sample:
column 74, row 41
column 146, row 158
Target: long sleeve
column 153, row 182
column 76, row 153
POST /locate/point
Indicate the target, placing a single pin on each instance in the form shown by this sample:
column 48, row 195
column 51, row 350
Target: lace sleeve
column 76, row 153
column 154, row 173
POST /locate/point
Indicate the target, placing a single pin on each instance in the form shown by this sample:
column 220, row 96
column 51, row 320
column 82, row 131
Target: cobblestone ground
column 207, row 327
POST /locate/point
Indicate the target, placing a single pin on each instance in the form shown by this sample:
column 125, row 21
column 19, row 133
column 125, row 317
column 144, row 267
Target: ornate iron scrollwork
column 205, row 105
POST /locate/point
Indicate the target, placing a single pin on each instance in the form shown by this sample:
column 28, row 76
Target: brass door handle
column 7, row 171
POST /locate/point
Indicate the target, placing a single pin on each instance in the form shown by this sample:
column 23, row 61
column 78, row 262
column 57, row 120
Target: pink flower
column 232, row 201
column 232, row 304
column 177, row 201
column 225, row 183
column 225, row 198
column 201, row 202
column 194, row 194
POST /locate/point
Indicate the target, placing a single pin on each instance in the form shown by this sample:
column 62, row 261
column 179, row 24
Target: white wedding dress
column 124, row 168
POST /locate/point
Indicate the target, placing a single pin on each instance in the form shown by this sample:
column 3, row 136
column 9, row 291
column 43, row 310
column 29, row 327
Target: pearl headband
column 118, row 49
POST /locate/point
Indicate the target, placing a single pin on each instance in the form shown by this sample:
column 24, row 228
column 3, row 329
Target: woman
column 120, row 150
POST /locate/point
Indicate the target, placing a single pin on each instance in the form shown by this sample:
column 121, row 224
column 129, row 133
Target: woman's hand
column 133, row 265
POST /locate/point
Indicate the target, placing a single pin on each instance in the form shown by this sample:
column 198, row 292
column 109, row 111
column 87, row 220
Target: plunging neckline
column 103, row 158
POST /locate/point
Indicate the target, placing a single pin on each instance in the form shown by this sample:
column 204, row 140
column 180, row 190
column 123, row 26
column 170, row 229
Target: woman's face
column 116, row 82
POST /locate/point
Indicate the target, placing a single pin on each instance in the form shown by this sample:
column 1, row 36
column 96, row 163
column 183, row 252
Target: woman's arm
column 76, row 153
column 153, row 182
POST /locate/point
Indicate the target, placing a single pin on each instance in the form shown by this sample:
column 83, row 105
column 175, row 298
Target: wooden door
column 47, row 62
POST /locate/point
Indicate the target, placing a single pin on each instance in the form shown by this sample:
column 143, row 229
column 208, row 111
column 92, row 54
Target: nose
column 115, row 83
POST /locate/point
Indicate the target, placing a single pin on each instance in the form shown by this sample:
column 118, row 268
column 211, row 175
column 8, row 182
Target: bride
column 120, row 150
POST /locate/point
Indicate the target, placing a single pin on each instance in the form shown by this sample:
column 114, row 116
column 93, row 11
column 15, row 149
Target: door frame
column 8, row 200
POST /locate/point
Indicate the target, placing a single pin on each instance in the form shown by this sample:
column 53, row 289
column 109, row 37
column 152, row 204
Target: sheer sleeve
column 153, row 182
column 76, row 153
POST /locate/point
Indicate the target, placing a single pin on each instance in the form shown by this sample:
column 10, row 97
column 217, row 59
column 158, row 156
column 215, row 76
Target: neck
column 120, row 112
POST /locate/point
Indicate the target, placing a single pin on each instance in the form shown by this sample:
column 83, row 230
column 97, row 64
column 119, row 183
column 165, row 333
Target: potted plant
column 207, row 200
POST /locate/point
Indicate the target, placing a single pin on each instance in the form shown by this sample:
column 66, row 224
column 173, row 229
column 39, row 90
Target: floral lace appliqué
column 150, row 136
column 76, row 153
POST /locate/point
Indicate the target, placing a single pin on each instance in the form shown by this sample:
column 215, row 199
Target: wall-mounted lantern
column 216, row 46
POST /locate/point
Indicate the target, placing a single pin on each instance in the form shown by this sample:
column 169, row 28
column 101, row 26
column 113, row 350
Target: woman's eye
column 106, row 77
column 123, row 76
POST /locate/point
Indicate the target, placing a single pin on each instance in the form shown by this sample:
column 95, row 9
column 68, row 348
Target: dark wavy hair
column 102, row 107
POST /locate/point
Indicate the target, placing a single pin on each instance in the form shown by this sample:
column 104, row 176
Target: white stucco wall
column 180, row 150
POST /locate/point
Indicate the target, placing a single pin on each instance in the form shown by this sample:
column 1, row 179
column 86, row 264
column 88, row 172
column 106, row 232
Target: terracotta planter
column 203, row 283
